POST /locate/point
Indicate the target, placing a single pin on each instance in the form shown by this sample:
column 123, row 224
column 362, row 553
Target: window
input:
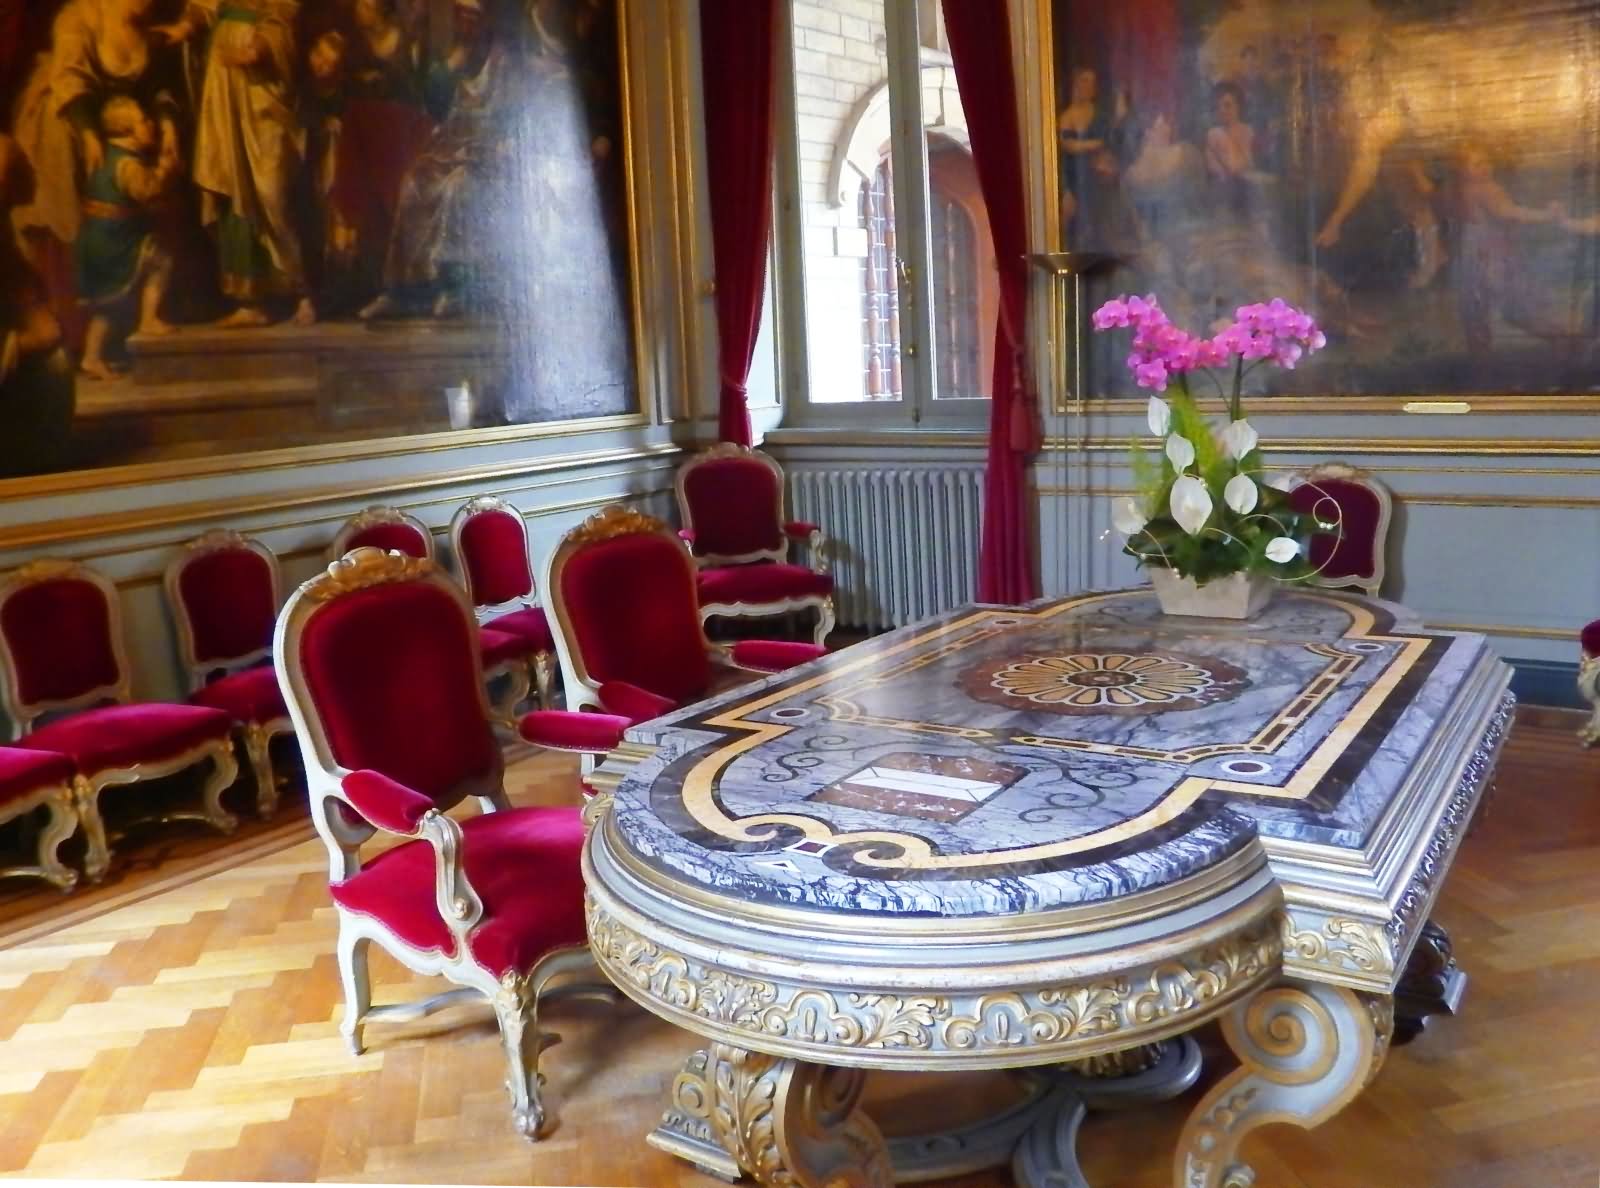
column 885, row 260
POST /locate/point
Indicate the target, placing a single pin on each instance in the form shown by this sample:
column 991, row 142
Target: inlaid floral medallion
column 1086, row 682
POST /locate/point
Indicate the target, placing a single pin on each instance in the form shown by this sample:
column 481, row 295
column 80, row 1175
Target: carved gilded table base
column 1307, row 1050
column 779, row 1121
column 738, row 1113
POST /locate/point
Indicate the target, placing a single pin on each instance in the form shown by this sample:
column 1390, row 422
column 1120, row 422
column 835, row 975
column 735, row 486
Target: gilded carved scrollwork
column 1340, row 944
column 364, row 567
column 782, row 1122
column 1306, row 1050
column 1070, row 1016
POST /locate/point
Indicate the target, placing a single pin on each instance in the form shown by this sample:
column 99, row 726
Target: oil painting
column 233, row 225
column 1422, row 175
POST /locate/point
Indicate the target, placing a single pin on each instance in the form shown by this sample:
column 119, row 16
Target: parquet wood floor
column 185, row 1026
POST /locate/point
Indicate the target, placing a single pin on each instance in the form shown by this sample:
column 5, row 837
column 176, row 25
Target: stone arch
column 862, row 140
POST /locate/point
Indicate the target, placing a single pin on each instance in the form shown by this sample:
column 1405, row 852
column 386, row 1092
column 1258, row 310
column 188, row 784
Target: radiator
column 903, row 542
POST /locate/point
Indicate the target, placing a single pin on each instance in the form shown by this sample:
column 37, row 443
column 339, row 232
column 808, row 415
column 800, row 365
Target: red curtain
column 980, row 44
column 736, row 58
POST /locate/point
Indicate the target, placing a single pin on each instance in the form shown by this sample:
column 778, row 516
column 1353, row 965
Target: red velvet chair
column 61, row 653
column 629, row 631
column 1361, row 507
column 31, row 780
column 730, row 499
column 386, row 528
column 222, row 591
column 489, row 539
column 504, row 654
column 377, row 658
column 1589, row 680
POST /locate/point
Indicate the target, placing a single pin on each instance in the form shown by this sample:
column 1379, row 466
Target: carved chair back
column 489, row 539
column 61, row 646
column 378, row 661
column 386, row 528
column 1361, row 505
column 730, row 499
column 223, row 591
column 621, row 589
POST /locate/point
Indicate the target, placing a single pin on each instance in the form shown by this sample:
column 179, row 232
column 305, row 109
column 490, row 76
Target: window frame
column 919, row 406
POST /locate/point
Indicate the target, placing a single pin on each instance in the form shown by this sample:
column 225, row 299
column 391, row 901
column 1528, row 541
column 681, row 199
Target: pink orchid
column 1112, row 313
column 1151, row 375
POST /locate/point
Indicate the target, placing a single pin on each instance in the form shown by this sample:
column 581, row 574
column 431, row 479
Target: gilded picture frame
column 1079, row 367
column 202, row 457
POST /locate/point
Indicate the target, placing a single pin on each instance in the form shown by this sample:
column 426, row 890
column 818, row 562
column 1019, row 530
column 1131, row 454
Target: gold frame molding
column 646, row 326
column 1045, row 188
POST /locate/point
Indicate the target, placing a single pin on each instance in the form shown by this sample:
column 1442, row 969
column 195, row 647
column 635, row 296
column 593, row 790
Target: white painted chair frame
column 254, row 737
column 815, row 544
column 370, row 517
column 515, row 998
column 62, row 823
column 86, row 790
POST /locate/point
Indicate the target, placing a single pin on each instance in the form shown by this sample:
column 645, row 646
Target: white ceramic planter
column 1237, row 596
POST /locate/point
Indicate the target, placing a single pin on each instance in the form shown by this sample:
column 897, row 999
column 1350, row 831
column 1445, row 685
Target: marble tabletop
column 1003, row 760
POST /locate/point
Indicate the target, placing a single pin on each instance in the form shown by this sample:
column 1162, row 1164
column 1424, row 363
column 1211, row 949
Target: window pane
column 847, row 201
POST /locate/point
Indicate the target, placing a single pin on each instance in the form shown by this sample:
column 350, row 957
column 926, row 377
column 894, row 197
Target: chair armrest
column 387, row 803
column 573, row 730
column 390, row 805
column 773, row 655
column 814, row 538
column 634, row 703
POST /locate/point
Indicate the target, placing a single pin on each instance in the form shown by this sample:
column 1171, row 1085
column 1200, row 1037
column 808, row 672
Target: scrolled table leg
column 781, row 1122
column 1307, row 1051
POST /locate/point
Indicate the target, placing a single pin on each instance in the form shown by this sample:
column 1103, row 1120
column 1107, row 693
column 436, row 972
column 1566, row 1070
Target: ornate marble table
column 1057, row 836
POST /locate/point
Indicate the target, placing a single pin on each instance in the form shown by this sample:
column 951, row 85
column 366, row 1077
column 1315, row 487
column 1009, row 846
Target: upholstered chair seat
column 624, row 593
column 523, row 918
column 125, row 736
column 489, row 540
column 249, row 696
column 762, row 582
column 31, row 779
column 222, row 591
column 730, row 498
column 529, row 625
column 66, row 687
column 379, row 661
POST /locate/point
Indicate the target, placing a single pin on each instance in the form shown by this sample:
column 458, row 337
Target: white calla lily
column 1180, row 450
column 1159, row 415
column 1191, row 503
column 1241, row 494
column 1239, row 438
column 1282, row 549
column 1127, row 516
column 1283, row 482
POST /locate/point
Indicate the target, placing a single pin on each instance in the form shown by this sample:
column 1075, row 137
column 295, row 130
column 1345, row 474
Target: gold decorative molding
column 24, row 535
column 1487, row 447
column 1340, row 944
column 1409, row 404
column 1423, row 499
column 365, row 567
column 171, row 470
column 939, row 1025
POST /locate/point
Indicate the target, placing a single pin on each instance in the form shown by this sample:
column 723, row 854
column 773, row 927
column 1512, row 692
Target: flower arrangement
column 1203, row 509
